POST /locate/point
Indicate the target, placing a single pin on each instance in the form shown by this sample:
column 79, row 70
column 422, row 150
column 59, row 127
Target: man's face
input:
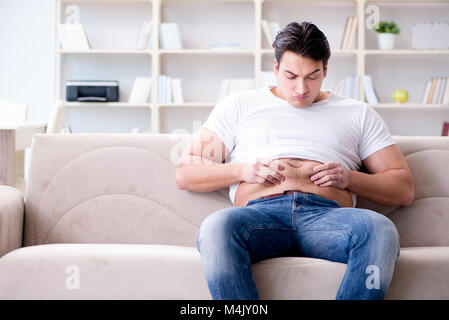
column 299, row 79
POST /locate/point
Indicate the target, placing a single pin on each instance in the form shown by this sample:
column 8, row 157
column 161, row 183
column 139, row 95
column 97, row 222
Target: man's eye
column 313, row 78
column 291, row 78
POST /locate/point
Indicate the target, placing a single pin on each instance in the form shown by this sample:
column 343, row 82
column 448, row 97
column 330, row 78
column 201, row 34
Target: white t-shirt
column 256, row 123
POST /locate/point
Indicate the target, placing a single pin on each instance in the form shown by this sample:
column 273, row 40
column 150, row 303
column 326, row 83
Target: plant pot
column 386, row 41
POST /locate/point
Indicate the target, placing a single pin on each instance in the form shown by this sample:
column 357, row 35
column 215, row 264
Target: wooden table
column 15, row 138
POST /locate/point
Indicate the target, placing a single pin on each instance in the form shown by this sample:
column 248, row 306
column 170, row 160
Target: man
column 293, row 153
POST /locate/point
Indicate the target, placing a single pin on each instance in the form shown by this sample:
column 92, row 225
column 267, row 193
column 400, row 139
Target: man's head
column 300, row 64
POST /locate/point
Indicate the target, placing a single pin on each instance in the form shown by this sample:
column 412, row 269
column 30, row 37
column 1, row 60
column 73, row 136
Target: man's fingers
column 325, row 166
column 273, row 165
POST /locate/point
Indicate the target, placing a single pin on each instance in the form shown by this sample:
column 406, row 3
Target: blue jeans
column 297, row 224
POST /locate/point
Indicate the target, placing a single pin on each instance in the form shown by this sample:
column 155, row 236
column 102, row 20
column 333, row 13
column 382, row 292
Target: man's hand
column 331, row 174
column 263, row 171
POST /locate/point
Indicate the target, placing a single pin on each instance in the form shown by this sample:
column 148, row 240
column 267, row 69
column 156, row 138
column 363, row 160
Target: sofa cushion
column 108, row 271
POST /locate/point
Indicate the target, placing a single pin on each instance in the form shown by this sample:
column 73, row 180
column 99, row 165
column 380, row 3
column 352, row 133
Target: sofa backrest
column 120, row 188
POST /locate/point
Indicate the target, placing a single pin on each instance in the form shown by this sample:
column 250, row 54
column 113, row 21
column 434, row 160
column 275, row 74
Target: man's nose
column 300, row 87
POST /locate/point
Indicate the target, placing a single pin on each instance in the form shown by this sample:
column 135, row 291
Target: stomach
column 297, row 175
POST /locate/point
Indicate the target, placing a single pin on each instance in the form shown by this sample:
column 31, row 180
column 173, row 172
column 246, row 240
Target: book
column 170, row 36
column 73, row 37
column 267, row 32
column 177, row 91
column 426, row 91
column 446, row 92
column 437, row 91
column 370, row 93
column 144, row 35
column 445, row 132
column 431, row 91
column 352, row 32
column 345, row 33
column 441, row 91
column 141, row 90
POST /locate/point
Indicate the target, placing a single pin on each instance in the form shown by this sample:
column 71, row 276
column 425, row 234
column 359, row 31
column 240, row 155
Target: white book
column 73, row 37
column 426, row 91
column 352, row 33
column 175, row 36
column 144, row 35
column 345, row 33
column 177, row 91
column 442, row 88
column 370, row 93
column 163, row 37
column 446, row 92
column 437, row 91
column 267, row 32
column 141, row 90
column 169, row 90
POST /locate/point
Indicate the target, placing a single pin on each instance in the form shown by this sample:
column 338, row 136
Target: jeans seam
column 353, row 236
column 248, row 230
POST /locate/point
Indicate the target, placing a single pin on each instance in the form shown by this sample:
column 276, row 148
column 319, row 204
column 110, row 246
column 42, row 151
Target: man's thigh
column 331, row 233
column 263, row 229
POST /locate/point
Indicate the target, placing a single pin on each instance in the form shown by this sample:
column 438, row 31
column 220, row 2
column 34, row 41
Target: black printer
column 92, row 90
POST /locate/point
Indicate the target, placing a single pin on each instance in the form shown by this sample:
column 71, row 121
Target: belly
column 297, row 177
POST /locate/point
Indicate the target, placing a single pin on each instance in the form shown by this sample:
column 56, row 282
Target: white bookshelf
column 202, row 68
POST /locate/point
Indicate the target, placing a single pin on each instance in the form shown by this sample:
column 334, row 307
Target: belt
column 280, row 194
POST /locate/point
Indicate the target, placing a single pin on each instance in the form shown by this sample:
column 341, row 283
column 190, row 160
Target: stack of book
column 231, row 85
column 144, row 35
column 348, row 87
column 436, row 91
column 270, row 30
column 349, row 33
column 170, row 90
column 170, row 36
column 73, row 37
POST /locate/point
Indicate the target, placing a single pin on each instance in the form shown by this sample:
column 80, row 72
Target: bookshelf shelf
column 201, row 68
column 406, row 52
column 188, row 105
column 411, row 106
column 208, row 51
column 106, row 104
column 104, row 51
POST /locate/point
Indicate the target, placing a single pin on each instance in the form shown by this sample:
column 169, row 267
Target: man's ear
column 276, row 67
column 325, row 71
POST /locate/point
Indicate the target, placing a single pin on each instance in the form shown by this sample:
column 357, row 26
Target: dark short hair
column 304, row 39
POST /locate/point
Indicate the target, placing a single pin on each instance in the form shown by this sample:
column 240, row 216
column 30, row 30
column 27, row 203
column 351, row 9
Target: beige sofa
column 103, row 219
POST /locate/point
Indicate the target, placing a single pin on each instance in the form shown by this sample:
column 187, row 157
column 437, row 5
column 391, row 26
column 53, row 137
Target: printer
column 92, row 91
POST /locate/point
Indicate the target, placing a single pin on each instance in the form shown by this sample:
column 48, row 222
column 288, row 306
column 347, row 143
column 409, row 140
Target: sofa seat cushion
column 118, row 271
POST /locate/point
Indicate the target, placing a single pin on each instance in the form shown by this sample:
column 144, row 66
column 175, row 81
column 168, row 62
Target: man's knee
column 219, row 227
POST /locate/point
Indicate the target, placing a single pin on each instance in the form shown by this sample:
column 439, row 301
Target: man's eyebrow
column 308, row 74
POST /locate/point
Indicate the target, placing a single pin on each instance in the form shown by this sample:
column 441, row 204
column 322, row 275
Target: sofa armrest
column 11, row 219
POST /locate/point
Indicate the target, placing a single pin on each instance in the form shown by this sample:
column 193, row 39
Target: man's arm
column 201, row 167
column 388, row 182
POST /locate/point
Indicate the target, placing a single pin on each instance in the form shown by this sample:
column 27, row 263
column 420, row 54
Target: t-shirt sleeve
column 375, row 133
column 223, row 120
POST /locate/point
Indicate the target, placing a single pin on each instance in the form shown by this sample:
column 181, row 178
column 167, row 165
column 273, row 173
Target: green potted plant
column 386, row 34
